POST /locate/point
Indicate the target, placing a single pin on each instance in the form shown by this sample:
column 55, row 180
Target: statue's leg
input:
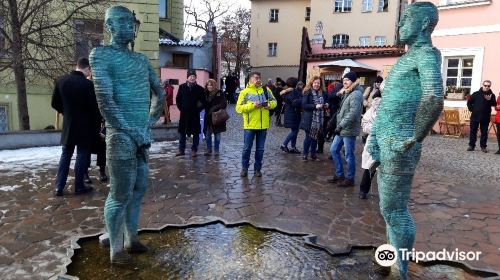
column 122, row 179
column 394, row 180
column 134, row 206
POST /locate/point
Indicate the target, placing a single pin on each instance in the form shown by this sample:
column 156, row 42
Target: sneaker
column 346, row 183
column 284, row 149
column 335, row 179
column 58, row 192
column 244, row 173
column 497, row 152
column 86, row 178
column 315, row 158
column 304, row 158
column 83, row 190
column 294, row 151
column 257, row 173
column 137, row 247
column 469, row 149
column 484, row 150
column 180, row 153
column 363, row 195
column 207, row 153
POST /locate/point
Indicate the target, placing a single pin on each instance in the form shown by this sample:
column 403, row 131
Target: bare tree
column 39, row 41
column 235, row 34
column 205, row 12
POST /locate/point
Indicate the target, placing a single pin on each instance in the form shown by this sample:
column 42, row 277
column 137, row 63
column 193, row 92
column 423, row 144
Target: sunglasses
column 486, row 85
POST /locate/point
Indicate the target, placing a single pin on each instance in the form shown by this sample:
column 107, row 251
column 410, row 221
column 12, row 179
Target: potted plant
column 453, row 92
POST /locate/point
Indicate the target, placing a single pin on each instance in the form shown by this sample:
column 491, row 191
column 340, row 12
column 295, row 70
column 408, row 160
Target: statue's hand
column 403, row 146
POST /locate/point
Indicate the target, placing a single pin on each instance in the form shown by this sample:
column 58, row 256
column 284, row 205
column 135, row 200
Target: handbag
column 219, row 117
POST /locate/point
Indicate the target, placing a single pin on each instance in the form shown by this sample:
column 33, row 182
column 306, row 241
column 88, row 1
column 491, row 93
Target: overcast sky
column 191, row 31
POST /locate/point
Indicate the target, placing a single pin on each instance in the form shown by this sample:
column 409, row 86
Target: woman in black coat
column 292, row 97
column 215, row 101
column 313, row 106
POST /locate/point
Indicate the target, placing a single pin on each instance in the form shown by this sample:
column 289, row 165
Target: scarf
column 212, row 95
column 317, row 120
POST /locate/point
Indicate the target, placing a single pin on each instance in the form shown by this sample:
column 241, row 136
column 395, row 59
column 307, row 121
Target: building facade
column 468, row 36
column 275, row 40
column 89, row 33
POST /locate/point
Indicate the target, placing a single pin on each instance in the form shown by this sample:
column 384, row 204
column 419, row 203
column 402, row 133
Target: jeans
column 182, row 142
column 309, row 145
column 81, row 163
column 350, row 143
column 473, row 133
column 292, row 137
column 208, row 138
column 260, row 140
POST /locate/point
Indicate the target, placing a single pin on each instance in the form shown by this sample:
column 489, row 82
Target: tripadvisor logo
column 386, row 255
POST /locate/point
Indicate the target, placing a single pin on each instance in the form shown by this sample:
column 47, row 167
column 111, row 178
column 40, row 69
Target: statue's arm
column 157, row 98
column 103, row 84
column 431, row 102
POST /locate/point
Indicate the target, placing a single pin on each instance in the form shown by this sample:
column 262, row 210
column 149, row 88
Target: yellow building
column 90, row 33
column 275, row 38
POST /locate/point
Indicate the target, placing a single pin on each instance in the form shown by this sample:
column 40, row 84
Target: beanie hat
column 351, row 76
column 379, row 79
column 191, row 72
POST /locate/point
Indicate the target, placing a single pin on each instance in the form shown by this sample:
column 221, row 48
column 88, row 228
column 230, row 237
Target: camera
column 386, row 255
column 264, row 104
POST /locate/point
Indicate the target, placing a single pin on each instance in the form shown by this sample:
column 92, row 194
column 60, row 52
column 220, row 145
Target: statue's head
column 418, row 22
column 121, row 23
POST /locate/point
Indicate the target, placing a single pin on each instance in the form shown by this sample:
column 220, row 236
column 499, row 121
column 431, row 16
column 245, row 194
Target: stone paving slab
column 455, row 202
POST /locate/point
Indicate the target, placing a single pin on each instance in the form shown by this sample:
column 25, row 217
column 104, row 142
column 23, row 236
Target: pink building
column 468, row 36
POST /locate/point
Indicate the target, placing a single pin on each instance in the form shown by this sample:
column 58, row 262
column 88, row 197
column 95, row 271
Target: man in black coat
column 480, row 103
column 190, row 100
column 75, row 99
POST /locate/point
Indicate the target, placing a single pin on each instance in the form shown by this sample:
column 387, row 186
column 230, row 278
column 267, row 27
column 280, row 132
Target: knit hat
column 379, row 79
column 191, row 72
column 351, row 76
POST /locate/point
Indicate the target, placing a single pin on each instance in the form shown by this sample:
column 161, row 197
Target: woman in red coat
column 497, row 123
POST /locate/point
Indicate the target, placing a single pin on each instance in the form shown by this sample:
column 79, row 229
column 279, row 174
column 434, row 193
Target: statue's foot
column 137, row 247
column 122, row 259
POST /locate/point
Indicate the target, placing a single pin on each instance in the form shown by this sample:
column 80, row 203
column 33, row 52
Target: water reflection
column 243, row 252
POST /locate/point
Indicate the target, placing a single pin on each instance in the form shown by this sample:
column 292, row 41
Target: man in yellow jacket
column 254, row 103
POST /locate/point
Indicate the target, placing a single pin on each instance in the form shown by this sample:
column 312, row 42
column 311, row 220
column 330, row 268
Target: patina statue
column 413, row 101
column 124, row 81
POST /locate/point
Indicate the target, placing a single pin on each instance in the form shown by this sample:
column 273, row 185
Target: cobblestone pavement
column 455, row 201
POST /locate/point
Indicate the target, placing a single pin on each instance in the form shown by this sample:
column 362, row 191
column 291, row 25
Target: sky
column 234, row 4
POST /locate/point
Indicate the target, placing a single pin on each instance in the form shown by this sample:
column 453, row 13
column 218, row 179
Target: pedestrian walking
column 292, row 97
column 75, row 99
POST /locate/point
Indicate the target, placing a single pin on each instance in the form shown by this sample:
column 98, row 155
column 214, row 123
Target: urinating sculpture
column 413, row 101
column 124, row 81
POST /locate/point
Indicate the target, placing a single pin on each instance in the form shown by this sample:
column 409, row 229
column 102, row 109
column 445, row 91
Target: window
column 163, row 9
column 88, row 35
column 272, row 49
column 4, row 118
column 340, row 40
column 273, row 15
column 383, row 5
column 180, row 60
column 379, row 40
column 342, row 6
column 459, row 72
column 366, row 6
column 308, row 13
column 364, row 41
